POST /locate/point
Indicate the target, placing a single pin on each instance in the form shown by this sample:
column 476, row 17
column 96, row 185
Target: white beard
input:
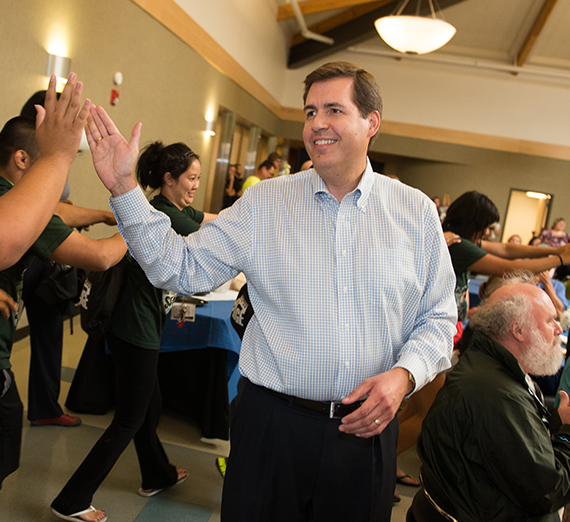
column 541, row 358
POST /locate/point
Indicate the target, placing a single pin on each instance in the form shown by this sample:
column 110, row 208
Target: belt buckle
column 332, row 409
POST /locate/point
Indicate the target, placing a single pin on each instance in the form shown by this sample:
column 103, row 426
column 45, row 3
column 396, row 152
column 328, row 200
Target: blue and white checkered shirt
column 341, row 292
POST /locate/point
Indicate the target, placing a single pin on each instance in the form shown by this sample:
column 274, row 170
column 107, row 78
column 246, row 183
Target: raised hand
column 113, row 157
column 60, row 124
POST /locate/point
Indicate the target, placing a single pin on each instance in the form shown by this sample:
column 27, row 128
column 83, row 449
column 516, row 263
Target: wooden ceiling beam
column 535, row 31
column 285, row 12
column 340, row 19
column 350, row 33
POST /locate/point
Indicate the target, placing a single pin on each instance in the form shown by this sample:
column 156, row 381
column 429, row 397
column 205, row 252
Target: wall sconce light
column 59, row 66
column 210, row 126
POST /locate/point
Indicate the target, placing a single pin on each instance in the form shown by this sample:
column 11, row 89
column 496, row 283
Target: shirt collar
column 361, row 192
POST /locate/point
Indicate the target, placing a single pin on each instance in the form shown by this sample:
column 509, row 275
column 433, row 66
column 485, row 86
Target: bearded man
column 486, row 448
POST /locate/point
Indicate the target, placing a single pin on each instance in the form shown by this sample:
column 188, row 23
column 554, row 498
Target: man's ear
column 373, row 123
column 518, row 331
column 22, row 159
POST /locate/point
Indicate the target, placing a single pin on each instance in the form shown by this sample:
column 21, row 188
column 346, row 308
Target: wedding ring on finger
column 377, row 422
column 99, row 139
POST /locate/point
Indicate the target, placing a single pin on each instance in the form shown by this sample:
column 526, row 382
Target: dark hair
column 29, row 108
column 365, row 91
column 274, row 156
column 19, row 133
column 470, row 214
column 267, row 164
column 156, row 160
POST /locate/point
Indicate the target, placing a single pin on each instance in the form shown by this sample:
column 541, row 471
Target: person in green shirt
column 19, row 151
column 134, row 341
column 470, row 217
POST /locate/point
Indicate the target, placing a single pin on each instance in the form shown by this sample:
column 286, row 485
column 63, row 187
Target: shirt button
column 347, row 364
column 345, row 289
column 342, row 217
column 346, row 326
column 344, row 252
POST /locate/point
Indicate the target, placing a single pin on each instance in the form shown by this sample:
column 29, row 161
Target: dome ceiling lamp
column 414, row 34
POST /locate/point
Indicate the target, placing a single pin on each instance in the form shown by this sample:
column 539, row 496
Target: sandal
column 407, row 480
column 76, row 517
column 182, row 476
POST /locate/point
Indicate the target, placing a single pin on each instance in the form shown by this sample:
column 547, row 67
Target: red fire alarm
column 114, row 97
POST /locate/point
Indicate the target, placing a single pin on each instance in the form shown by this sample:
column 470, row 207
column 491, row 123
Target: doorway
column 527, row 214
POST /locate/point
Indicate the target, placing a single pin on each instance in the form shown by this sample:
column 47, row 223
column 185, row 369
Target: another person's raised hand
column 113, row 157
column 60, row 124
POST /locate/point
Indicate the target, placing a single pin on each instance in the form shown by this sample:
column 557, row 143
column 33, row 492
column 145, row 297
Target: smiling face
column 181, row 191
column 336, row 135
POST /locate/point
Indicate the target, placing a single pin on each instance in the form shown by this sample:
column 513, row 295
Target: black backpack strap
column 242, row 312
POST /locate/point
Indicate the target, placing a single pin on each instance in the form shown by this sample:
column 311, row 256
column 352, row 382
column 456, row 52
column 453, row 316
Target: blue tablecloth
column 211, row 329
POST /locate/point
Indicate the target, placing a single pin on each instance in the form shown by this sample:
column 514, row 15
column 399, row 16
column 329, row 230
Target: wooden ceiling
column 516, row 33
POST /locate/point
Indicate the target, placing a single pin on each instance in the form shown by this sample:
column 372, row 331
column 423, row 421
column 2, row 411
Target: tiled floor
column 51, row 454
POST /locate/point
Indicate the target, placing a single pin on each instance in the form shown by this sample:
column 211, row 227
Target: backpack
column 100, row 295
column 60, row 283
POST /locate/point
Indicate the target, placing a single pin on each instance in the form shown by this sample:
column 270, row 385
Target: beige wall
column 437, row 169
column 167, row 85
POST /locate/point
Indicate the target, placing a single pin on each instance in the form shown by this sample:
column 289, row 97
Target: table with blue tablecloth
column 198, row 365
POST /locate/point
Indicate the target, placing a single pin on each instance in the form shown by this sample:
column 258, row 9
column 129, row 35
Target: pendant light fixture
column 414, row 34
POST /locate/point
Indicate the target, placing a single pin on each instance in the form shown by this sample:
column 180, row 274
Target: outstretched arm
column 91, row 254
column 492, row 264
column 80, row 217
column 35, row 196
column 114, row 159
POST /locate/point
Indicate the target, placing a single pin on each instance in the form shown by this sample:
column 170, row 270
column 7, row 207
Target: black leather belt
column 333, row 410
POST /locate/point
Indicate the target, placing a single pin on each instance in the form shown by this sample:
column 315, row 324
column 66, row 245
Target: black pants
column 288, row 464
column 11, row 413
column 136, row 417
column 46, row 343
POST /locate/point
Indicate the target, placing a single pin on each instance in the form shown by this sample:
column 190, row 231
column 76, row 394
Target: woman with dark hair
column 469, row 216
column 134, row 340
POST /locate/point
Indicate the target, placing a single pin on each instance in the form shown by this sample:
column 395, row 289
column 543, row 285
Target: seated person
column 485, row 445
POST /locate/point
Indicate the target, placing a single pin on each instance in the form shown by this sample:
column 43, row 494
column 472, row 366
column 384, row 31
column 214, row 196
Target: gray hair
column 513, row 278
column 495, row 319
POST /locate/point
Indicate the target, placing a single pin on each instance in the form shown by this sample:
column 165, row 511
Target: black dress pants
column 136, row 418
column 46, row 343
column 289, row 464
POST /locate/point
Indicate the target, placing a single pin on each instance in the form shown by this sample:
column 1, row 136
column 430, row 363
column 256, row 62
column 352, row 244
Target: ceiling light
column 414, row 34
column 537, row 195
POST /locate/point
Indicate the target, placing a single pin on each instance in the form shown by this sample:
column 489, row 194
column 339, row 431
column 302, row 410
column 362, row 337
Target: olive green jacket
column 486, row 440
